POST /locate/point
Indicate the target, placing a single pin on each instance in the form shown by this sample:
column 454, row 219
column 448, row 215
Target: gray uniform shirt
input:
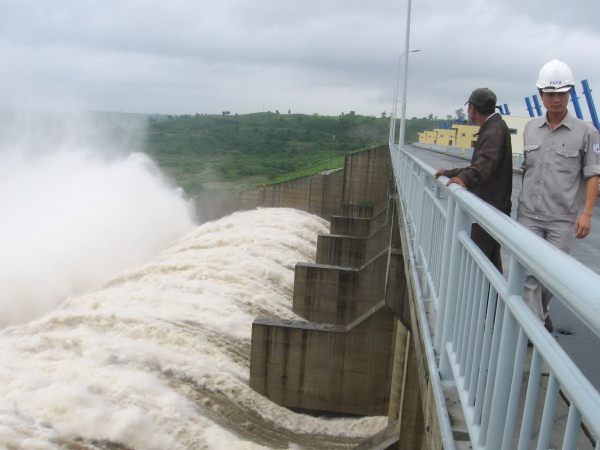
column 557, row 163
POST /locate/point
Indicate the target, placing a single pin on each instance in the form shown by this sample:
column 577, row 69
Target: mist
column 79, row 203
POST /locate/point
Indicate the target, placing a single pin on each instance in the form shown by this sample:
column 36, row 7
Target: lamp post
column 405, row 85
column 395, row 106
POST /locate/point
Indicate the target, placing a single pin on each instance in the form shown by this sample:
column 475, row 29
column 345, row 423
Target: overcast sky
column 307, row 56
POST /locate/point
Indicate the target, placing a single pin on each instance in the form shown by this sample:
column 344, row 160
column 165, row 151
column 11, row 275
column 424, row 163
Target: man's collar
column 567, row 121
column 490, row 116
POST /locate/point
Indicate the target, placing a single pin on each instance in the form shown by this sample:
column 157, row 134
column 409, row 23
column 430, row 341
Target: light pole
column 395, row 106
column 405, row 85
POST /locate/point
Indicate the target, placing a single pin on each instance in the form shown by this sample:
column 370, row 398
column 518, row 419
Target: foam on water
column 158, row 357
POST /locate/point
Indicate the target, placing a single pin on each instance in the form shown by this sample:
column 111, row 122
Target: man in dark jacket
column 489, row 176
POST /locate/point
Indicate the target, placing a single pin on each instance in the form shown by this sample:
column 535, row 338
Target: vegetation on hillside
column 265, row 147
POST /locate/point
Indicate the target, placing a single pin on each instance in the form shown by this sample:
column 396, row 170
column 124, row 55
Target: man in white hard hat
column 489, row 176
column 560, row 173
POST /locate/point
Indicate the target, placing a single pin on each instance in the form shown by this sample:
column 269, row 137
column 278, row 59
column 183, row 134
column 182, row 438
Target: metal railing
column 451, row 150
column 483, row 325
column 517, row 158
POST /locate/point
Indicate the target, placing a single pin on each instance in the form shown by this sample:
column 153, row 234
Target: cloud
column 307, row 56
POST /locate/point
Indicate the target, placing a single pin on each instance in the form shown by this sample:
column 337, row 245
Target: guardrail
column 517, row 159
column 467, row 153
column 483, row 326
column 451, row 150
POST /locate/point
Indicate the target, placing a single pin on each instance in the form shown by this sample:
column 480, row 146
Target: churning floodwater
column 124, row 324
column 157, row 357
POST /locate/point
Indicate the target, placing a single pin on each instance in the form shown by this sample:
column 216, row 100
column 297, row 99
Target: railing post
column 420, row 214
column 530, row 400
column 506, row 361
column 548, row 415
column 442, row 288
column 398, row 159
column 462, row 222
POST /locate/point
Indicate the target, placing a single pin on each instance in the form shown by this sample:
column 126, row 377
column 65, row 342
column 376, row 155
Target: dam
column 371, row 341
column 300, row 316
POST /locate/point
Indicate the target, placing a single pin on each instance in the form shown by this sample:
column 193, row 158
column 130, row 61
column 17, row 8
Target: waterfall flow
column 158, row 356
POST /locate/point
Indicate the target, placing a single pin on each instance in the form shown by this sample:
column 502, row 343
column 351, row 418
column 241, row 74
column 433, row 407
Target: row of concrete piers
column 353, row 352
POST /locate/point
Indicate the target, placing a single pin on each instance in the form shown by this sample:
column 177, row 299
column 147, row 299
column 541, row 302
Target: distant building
column 446, row 137
column 465, row 135
column 516, row 125
column 431, row 137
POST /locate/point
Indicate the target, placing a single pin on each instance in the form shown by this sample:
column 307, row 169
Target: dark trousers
column 487, row 244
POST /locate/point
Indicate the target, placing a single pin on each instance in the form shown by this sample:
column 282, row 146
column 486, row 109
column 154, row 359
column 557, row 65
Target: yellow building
column 516, row 125
column 431, row 137
column 446, row 137
column 465, row 135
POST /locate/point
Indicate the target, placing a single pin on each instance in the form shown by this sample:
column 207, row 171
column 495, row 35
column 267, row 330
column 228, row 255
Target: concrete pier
column 350, row 192
column 339, row 295
column 364, row 344
column 355, row 352
column 346, row 369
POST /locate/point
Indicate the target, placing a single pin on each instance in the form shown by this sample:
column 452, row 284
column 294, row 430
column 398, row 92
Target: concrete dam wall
column 353, row 352
column 353, row 192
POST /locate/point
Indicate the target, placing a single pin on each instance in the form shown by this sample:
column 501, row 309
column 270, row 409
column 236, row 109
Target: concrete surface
column 334, row 368
column 339, row 295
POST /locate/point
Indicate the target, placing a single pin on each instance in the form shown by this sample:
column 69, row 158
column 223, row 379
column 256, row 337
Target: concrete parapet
column 358, row 211
column 355, row 223
column 366, row 176
column 359, row 190
column 353, row 251
column 350, row 226
column 380, row 218
column 317, row 194
column 379, row 239
column 407, row 307
column 338, row 295
column 345, row 251
column 336, row 368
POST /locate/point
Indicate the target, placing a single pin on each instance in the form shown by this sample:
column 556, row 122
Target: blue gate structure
column 481, row 327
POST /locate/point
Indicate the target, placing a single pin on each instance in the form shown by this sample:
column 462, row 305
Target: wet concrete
column 574, row 337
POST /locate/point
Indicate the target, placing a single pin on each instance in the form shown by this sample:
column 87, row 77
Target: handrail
column 576, row 285
column 483, row 324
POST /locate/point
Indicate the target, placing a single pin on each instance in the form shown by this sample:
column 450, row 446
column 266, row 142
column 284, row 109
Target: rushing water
column 158, row 356
column 78, row 203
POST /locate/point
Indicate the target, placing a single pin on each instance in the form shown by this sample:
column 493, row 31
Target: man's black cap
column 484, row 99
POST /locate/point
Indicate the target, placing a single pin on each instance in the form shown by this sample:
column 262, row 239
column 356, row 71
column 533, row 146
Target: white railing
column 483, row 326
column 517, row 158
column 451, row 150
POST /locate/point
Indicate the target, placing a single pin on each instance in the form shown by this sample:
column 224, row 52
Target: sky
column 306, row 56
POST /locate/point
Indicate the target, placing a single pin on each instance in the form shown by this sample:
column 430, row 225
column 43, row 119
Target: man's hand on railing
column 439, row 173
column 457, row 181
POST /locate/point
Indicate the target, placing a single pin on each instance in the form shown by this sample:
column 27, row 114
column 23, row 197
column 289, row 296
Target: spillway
column 158, row 356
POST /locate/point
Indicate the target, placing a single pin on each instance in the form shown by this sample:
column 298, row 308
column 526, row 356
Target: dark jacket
column 489, row 176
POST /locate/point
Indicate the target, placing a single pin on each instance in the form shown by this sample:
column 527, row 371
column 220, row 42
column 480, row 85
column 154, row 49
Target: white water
column 77, row 204
column 158, row 357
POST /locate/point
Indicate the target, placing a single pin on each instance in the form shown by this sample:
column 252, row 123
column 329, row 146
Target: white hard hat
column 555, row 76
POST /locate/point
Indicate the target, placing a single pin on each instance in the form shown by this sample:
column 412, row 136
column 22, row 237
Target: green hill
column 204, row 152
